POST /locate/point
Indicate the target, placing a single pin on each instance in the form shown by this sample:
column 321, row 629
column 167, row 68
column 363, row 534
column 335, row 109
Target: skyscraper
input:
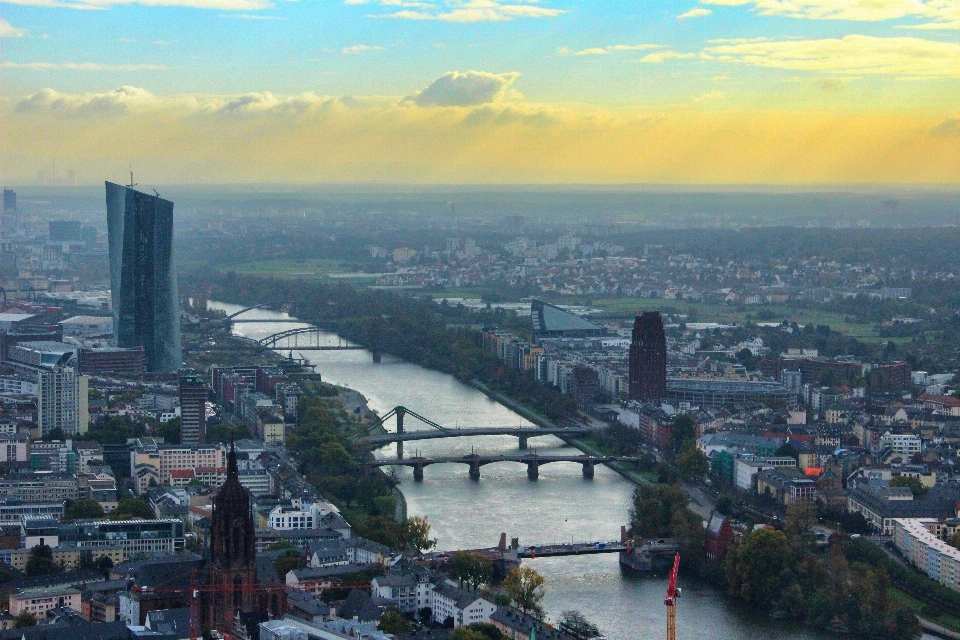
column 193, row 409
column 146, row 309
column 648, row 358
column 62, row 401
column 8, row 217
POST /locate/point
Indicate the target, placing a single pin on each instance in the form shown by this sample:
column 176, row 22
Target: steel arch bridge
column 307, row 339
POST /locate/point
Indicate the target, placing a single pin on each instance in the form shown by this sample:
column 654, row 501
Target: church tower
column 233, row 570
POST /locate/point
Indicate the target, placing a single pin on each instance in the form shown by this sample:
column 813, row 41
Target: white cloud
column 698, row 12
column 119, row 100
column 463, row 11
column 463, row 89
column 595, row 51
column 222, row 5
column 7, row 30
column 850, row 55
column 944, row 14
column 662, row 56
column 359, row 48
column 82, row 66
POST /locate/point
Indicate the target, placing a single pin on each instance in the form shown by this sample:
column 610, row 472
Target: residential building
column 193, row 409
column 62, row 401
column 146, row 305
column 165, row 459
column 925, row 551
column 449, row 602
column 39, row 601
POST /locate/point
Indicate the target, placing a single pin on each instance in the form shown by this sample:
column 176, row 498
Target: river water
column 560, row 506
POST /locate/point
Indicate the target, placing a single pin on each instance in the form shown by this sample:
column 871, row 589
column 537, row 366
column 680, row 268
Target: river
column 560, row 506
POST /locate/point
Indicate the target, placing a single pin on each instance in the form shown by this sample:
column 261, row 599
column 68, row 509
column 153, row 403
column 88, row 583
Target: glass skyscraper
column 146, row 305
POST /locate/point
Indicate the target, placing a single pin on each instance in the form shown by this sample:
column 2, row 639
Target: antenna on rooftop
column 132, row 183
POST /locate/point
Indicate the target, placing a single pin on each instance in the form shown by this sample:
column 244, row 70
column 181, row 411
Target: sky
column 775, row 92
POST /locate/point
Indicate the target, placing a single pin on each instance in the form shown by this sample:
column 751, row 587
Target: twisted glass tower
column 146, row 304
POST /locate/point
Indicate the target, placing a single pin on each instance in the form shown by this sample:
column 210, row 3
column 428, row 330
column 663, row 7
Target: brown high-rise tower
column 232, row 549
column 648, row 358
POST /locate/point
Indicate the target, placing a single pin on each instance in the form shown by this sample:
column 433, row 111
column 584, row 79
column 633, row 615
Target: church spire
column 232, row 471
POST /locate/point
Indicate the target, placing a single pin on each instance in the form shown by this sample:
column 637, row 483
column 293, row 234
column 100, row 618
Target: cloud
column 222, row 5
column 120, row 100
column 463, row 11
column 662, row 56
column 850, row 55
column 594, row 51
column 82, row 66
column 463, row 89
column 359, row 48
column 698, row 12
column 949, row 128
column 945, row 14
column 9, row 31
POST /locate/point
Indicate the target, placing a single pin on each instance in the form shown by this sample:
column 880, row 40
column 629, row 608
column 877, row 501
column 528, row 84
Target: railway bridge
column 476, row 461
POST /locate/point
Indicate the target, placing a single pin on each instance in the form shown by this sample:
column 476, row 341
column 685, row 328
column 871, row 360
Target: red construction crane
column 673, row 592
column 194, row 590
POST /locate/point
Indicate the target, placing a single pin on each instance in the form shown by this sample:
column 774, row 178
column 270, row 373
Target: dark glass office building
column 146, row 310
column 648, row 358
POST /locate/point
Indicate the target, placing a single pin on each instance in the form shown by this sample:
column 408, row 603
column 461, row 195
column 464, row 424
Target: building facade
column 193, row 409
column 62, row 402
column 146, row 306
column 648, row 358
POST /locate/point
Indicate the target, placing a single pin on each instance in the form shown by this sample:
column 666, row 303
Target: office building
column 193, row 409
column 8, row 219
column 62, row 401
column 648, row 358
column 143, row 280
column 110, row 361
column 549, row 321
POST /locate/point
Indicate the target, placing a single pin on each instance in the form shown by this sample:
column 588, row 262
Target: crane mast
column 671, row 600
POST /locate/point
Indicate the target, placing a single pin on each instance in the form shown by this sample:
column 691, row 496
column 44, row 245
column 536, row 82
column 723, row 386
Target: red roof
column 182, row 473
column 948, row 401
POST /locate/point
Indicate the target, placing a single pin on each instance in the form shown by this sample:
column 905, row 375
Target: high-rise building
column 62, row 401
column 648, row 358
column 142, row 276
column 8, row 217
column 193, row 409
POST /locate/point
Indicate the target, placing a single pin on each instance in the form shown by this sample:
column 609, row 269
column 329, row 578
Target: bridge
column 522, row 433
column 475, row 461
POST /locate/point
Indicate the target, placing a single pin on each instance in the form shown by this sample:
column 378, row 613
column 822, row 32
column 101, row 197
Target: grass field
column 304, row 269
column 945, row 620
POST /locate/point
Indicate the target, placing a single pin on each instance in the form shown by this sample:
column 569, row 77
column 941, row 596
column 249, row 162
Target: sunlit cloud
column 698, row 12
column 942, row 13
column 662, row 56
column 463, row 89
column 850, row 55
column 7, row 30
column 359, row 48
column 595, row 51
column 464, row 11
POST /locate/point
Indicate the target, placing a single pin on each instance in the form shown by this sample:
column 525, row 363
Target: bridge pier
column 588, row 469
column 376, row 356
column 523, row 443
column 475, row 470
column 533, row 470
column 400, row 412
column 418, row 473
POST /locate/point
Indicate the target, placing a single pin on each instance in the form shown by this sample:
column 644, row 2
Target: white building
column 745, row 470
column 903, row 443
column 928, row 553
column 448, row 601
column 62, row 401
column 298, row 517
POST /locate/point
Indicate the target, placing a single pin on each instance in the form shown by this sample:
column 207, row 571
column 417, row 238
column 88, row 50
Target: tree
column 653, row 508
column 486, row 631
column 754, row 566
column 472, row 568
column 575, row 622
column 129, row 508
column 466, row 633
column 725, row 504
column 692, row 463
column 914, row 484
column 393, row 622
column 684, row 431
column 801, row 518
column 169, row 431
column 24, row 619
column 289, row 560
column 525, row 588
column 41, row 561
column 86, row 508
column 416, row 534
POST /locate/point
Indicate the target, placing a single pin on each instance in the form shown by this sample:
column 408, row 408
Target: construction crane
column 673, row 592
column 195, row 589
